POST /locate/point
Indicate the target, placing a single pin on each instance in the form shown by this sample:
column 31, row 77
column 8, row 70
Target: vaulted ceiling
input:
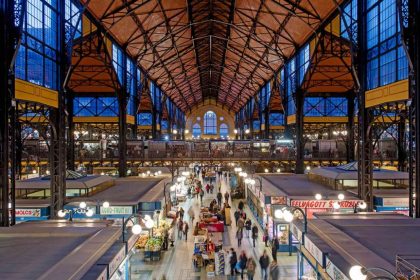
column 199, row 49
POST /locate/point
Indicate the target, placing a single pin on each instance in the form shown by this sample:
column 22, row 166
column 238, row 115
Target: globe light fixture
column 105, row 204
column 186, row 131
column 150, row 223
column 308, row 168
column 235, row 131
column 266, row 170
column 82, row 205
column 340, row 196
column 318, row 196
column 288, row 216
column 247, row 131
column 89, row 213
column 61, row 213
column 278, row 214
column 175, row 131
column 362, row 205
column 136, row 229
column 278, row 170
column 356, row 273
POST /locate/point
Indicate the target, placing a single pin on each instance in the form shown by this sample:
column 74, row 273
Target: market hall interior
column 209, row 139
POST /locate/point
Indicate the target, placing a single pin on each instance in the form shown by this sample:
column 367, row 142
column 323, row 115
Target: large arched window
column 210, row 123
column 224, row 130
column 196, row 131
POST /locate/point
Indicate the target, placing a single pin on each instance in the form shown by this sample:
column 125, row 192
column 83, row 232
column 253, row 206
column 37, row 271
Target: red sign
column 328, row 204
column 28, row 212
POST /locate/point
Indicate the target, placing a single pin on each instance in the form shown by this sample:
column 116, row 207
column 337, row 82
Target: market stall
column 206, row 246
column 212, row 221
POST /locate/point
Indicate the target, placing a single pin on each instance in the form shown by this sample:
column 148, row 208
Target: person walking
column 250, row 268
column 264, row 263
column 239, row 236
column 241, row 223
column 227, row 196
column 274, row 270
column 254, row 234
column 265, row 235
column 236, row 215
column 242, row 263
column 248, row 227
column 181, row 213
column 275, row 248
column 219, row 199
column 201, row 196
column 180, row 228
column 185, row 229
column 232, row 261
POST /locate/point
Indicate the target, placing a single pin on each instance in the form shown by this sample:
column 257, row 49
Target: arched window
column 196, row 131
column 210, row 123
column 224, row 130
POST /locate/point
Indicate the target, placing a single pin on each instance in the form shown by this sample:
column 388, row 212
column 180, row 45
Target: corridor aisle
column 176, row 263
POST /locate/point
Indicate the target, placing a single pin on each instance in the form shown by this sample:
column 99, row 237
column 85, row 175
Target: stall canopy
column 200, row 49
column 349, row 172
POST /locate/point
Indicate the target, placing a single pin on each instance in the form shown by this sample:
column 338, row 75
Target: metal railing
column 407, row 267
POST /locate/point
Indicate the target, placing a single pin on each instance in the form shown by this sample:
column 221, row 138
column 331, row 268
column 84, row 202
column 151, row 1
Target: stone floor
column 176, row 263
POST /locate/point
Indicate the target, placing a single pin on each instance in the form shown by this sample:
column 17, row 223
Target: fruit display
column 153, row 244
column 141, row 242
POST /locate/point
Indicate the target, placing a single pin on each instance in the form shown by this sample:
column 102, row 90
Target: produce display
column 141, row 242
column 153, row 244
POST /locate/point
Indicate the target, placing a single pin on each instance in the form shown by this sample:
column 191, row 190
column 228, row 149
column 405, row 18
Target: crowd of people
column 242, row 265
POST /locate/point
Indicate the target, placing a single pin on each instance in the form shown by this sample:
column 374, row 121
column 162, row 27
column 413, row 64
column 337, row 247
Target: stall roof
column 298, row 186
column 367, row 239
column 80, row 183
column 344, row 173
column 127, row 191
column 68, row 249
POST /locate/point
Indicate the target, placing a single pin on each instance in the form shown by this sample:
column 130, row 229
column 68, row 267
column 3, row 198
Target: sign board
column 35, row 212
column 116, row 261
column 334, row 272
column 314, row 251
column 323, row 203
column 395, row 201
column 281, row 200
column 117, row 210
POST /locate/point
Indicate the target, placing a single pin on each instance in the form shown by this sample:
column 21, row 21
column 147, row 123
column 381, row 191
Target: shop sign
column 334, row 272
column 116, row 261
column 281, row 200
column 103, row 275
column 323, row 203
column 314, row 251
column 395, row 201
column 28, row 212
column 296, row 232
column 117, row 210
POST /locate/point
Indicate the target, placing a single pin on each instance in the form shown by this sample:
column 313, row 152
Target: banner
column 117, row 210
column 323, row 203
column 28, row 212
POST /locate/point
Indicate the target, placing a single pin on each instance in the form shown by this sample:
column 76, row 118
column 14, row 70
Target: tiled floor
column 176, row 263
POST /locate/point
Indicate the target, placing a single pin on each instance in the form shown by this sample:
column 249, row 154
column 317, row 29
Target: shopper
column 265, row 235
column 254, row 234
column 248, row 227
column 227, row 196
column 264, row 262
column 207, row 188
column 239, row 236
column 241, row 223
column 219, row 199
column 201, row 195
column 185, row 229
column 181, row 213
column 180, row 228
column 241, row 205
column 242, row 263
column 232, row 261
column 236, row 215
column 275, row 248
column 165, row 239
column 250, row 268
column 274, row 270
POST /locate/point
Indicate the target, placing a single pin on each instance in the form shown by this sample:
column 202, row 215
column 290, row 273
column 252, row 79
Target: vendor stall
column 206, row 245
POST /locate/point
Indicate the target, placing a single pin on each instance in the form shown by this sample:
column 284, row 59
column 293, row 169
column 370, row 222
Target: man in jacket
column 264, row 263
column 254, row 234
